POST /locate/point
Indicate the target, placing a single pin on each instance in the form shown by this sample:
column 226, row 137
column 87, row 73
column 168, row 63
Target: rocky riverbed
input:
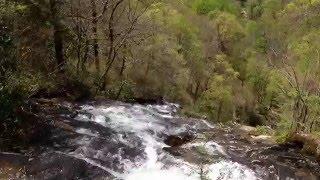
column 115, row 140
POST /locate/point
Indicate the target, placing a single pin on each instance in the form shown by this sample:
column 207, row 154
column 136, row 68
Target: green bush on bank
column 14, row 90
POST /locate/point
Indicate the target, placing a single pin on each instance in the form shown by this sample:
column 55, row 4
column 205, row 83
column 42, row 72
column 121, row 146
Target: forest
column 253, row 62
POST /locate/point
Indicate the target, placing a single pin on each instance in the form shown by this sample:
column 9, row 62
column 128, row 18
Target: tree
column 95, row 19
column 207, row 6
column 218, row 100
column 57, row 34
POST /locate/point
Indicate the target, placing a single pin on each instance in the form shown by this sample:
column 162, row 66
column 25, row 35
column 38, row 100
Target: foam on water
column 147, row 123
column 211, row 147
column 227, row 170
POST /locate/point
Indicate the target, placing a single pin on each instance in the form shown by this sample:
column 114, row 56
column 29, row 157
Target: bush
column 9, row 100
column 14, row 89
column 193, row 112
column 284, row 129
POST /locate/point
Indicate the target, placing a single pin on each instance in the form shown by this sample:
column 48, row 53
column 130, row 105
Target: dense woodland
column 255, row 62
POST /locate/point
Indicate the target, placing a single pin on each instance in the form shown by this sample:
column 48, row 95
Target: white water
column 143, row 128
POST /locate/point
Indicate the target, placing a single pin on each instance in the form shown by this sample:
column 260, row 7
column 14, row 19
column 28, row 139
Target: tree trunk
column 112, row 52
column 119, row 91
column 57, row 36
column 95, row 35
column 311, row 125
column 300, row 114
column 86, row 54
column 196, row 92
column 123, row 67
column 219, row 110
column 221, row 44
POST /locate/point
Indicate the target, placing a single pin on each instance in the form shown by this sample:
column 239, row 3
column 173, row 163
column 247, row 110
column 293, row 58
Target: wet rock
column 64, row 126
column 311, row 144
column 285, row 147
column 12, row 165
column 154, row 100
column 13, row 158
column 251, row 135
column 247, row 130
column 263, row 139
column 174, row 141
column 257, row 162
column 62, row 166
column 178, row 140
column 12, row 172
column 175, row 151
column 191, row 155
column 34, row 127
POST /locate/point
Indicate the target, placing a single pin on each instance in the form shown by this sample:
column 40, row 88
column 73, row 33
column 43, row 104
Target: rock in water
column 175, row 151
column 178, row 140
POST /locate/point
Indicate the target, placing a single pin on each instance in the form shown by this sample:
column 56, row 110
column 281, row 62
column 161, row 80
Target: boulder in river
column 175, row 151
column 178, row 140
column 247, row 130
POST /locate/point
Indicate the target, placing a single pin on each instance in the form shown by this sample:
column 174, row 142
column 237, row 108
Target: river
column 114, row 140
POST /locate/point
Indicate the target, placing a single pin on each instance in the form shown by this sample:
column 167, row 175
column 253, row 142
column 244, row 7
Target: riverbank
column 288, row 159
column 308, row 144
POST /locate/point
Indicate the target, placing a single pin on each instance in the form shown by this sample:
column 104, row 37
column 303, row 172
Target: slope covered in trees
column 250, row 61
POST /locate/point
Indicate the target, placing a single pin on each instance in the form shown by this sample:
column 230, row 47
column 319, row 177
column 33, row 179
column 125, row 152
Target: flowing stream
column 131, row 146
column 114, row 140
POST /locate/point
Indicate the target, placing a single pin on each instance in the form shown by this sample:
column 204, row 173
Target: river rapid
column 134, row 148
column 114, row 140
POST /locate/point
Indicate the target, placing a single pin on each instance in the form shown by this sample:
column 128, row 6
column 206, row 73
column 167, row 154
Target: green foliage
column 10, row 8
column 254, row 8
column 193, row 112
column 284, row 128
column 228, row 26
column 123, row 91
column 229, row 31
column 14, row 90
column 8, row 12
column 9, row 100
column 207, row 6
column 259, row 62
column 217, row 101
column 264, row 130
column 307, row 52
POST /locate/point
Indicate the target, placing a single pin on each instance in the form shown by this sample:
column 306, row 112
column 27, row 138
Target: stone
column 311, row 143
column 175, row 151
column 249, row 130
column 263, row 139
column 178, row 140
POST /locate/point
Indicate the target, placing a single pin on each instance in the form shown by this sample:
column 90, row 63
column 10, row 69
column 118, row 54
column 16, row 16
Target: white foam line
column 208, row 124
